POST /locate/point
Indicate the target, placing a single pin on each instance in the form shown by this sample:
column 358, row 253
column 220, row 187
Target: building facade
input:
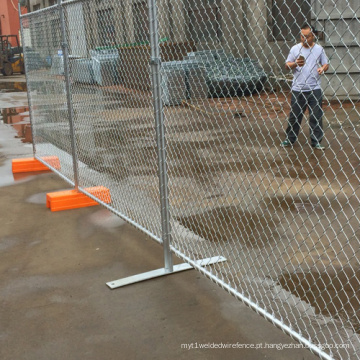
column 262, row 30
column 9, row 18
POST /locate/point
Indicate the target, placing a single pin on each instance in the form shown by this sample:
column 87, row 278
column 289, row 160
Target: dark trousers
column 300, row 101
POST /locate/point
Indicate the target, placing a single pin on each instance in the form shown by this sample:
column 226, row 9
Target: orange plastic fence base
column 72, row 199
column 32, row 164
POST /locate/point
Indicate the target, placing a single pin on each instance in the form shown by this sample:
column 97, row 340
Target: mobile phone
column 301, row 57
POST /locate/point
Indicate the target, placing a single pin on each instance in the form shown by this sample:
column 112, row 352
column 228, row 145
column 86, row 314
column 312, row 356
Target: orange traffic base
column 32, row 164
column 72, row 199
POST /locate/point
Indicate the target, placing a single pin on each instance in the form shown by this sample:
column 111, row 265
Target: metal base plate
column 161, row 272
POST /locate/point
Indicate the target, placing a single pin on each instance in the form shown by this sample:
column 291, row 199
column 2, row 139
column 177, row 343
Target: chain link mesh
column 285, row 217
column 44, row 68
column 114, row 120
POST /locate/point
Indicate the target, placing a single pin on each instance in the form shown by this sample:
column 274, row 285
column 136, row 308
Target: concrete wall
column 134, row 62
column 341, row 25
column 76, row 30
column 247, row 31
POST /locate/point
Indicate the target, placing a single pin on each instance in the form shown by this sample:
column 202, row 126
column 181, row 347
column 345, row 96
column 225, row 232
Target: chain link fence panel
column 286, row 218
column 44, row 68
column 284, row 213
column 114, row 123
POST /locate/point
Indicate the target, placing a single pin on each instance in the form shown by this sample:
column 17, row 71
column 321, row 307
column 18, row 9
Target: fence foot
column 32, row 164
column 161, row 272
column 72, row 199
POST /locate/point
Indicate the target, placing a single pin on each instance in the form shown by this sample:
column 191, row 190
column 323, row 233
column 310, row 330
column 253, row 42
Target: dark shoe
column 318, row 147
column 286, row 143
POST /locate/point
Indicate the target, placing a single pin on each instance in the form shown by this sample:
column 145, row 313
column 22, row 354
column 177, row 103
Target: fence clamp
column 155, row 61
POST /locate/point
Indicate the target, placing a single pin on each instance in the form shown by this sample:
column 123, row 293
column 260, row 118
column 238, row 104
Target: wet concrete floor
column 233, row 186
column 54, row 302
column 19, row 119
column 14, row 110
column 297, row 208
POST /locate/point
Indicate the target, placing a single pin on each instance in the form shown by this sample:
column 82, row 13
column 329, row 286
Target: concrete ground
column 54, row 301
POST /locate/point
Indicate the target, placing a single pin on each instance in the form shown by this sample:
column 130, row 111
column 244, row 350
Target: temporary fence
column 179, row 108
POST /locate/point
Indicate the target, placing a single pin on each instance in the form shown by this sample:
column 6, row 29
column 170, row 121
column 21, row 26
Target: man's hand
column 322, row 69
column 300, row 61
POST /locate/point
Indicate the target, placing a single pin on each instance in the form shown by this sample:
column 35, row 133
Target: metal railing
column 180, row 109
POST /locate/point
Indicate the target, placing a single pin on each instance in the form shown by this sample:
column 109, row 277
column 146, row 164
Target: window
column 124, row 27
column 106, row 27
column 36, row 7
column 141, row 21
column 55, row 33
column 287, row 18
column 204, row 20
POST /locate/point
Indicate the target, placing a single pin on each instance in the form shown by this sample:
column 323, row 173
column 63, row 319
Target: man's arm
column 290, row 65
column 322, row 69
column 324, row 61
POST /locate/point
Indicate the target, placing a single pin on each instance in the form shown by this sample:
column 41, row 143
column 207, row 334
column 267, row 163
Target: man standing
column 307, row 61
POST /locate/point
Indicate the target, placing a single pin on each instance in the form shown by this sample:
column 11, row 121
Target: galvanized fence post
column 155, row 63
column 65, row 51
